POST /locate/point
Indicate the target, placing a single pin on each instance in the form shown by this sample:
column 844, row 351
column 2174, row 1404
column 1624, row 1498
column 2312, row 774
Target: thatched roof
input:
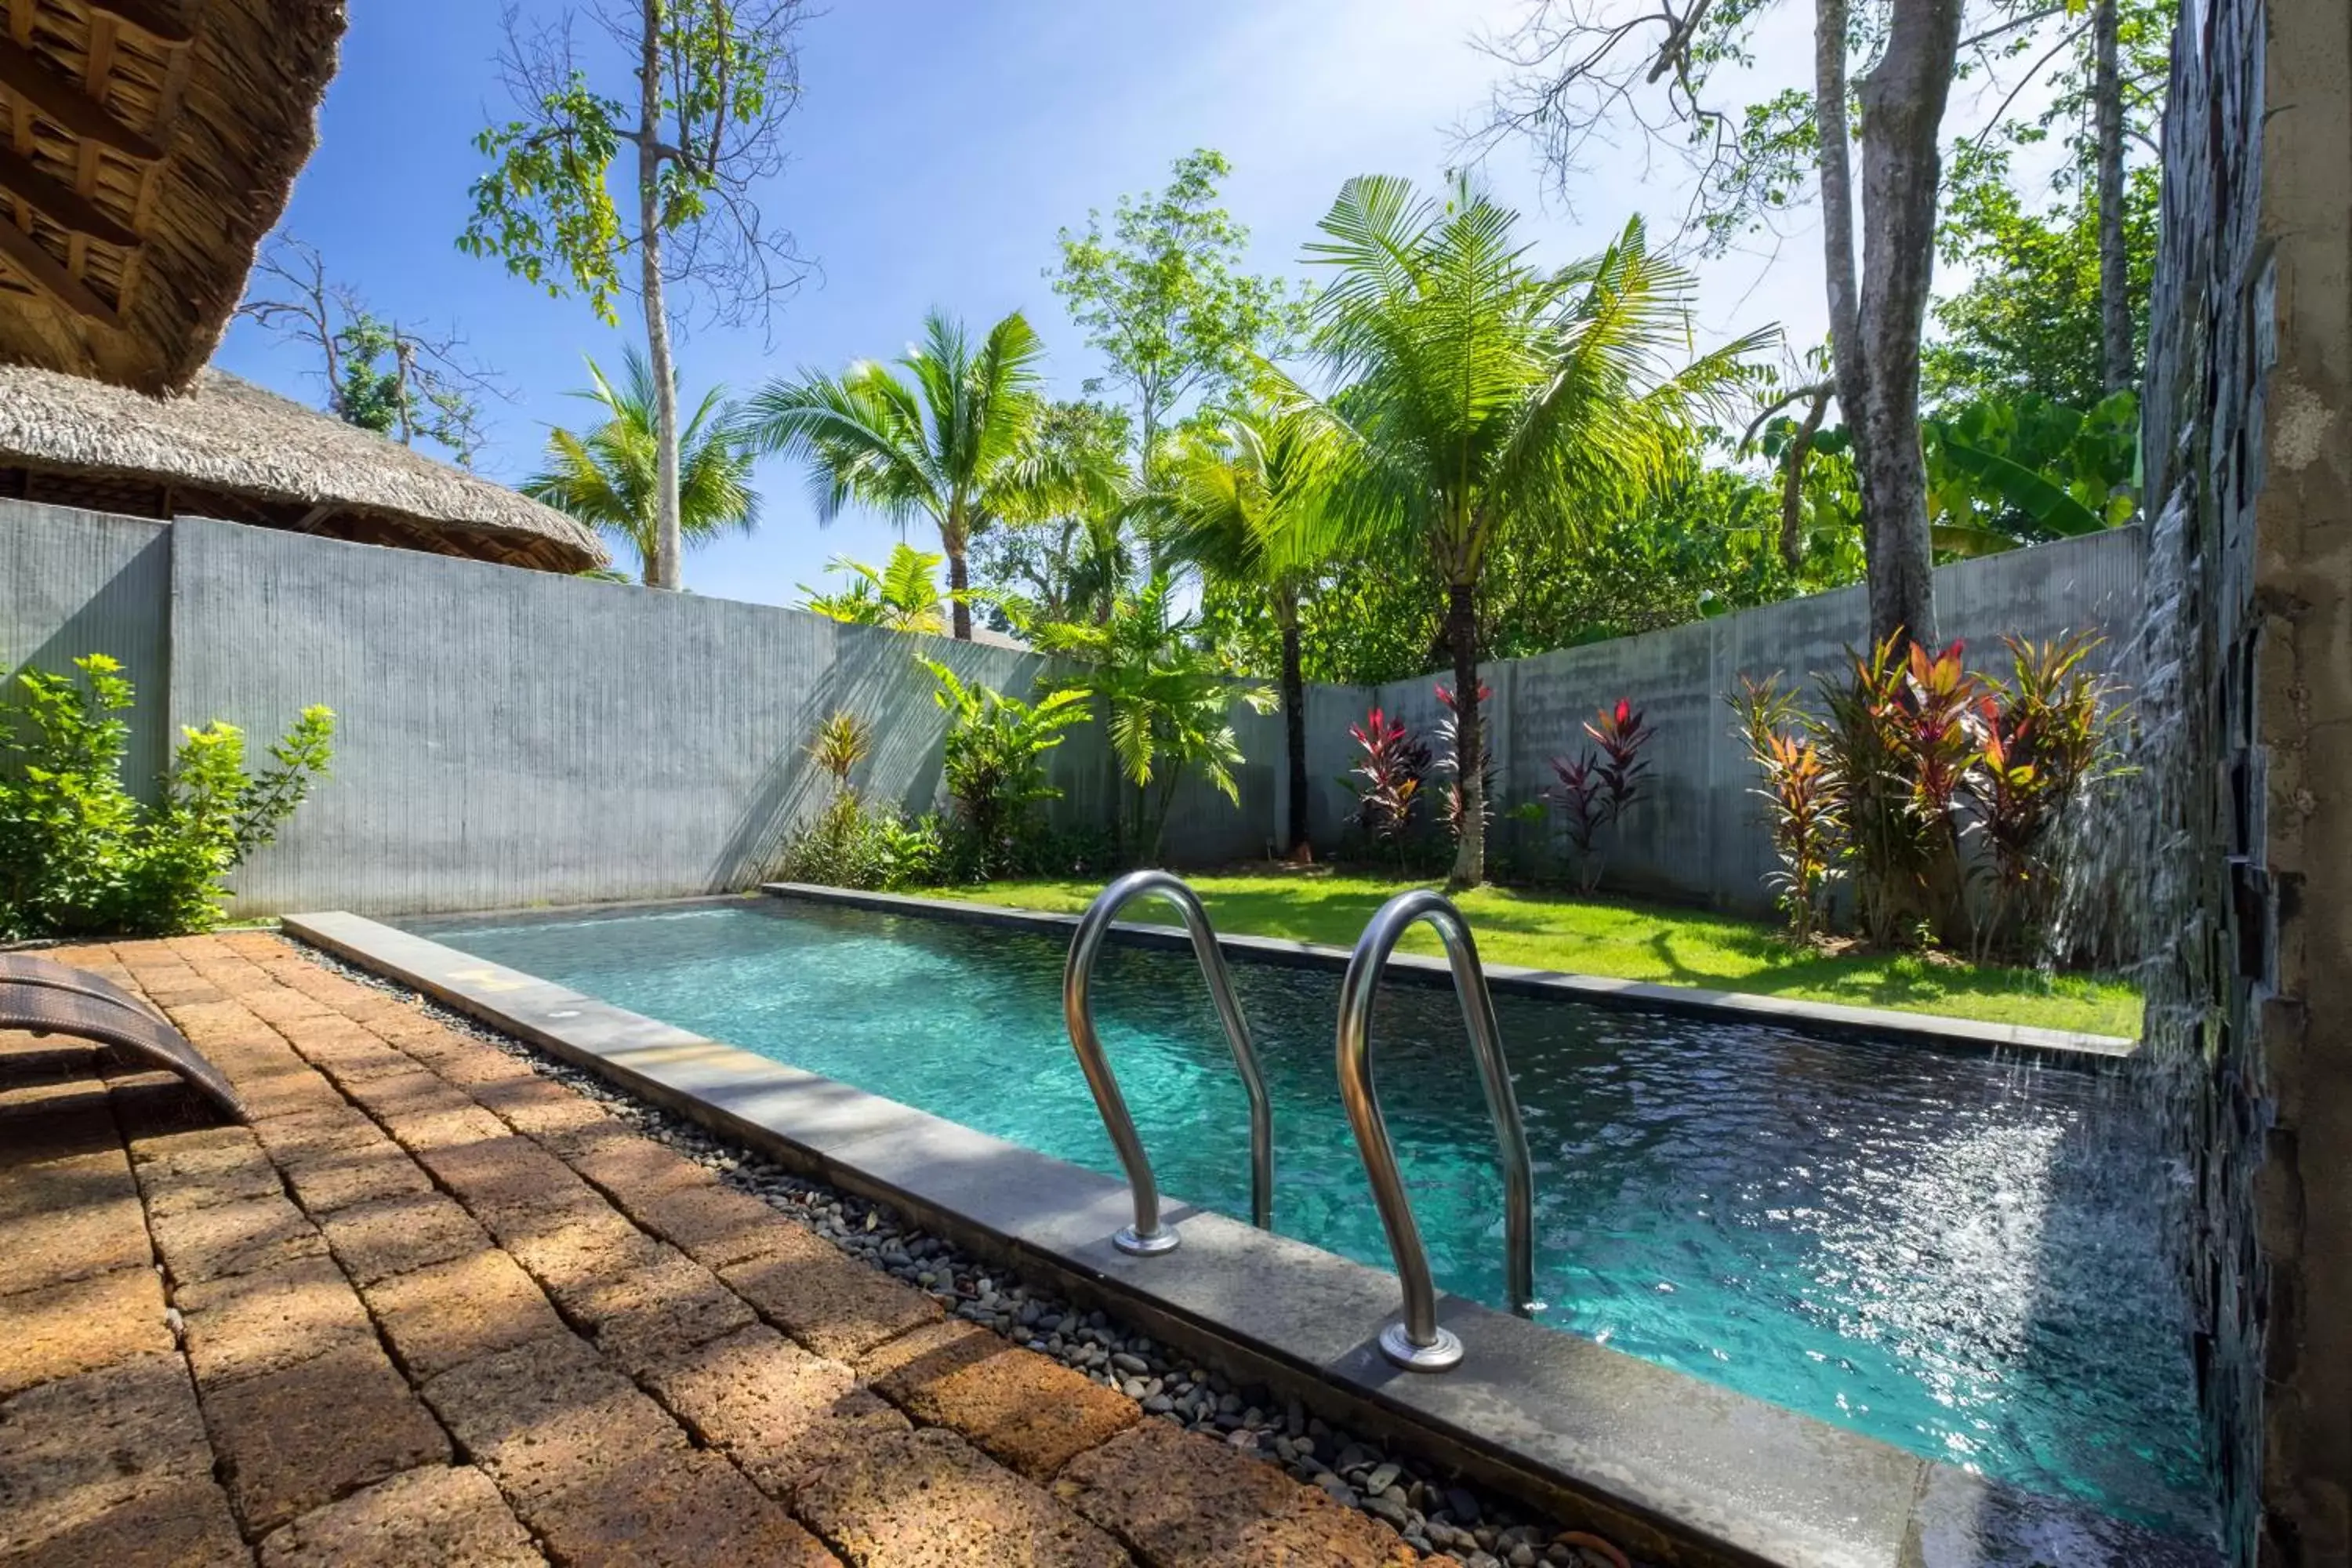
column 228, row 449
column 145, row 148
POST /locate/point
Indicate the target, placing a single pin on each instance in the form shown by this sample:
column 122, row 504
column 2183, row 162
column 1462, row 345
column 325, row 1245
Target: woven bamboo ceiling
column 145, row 148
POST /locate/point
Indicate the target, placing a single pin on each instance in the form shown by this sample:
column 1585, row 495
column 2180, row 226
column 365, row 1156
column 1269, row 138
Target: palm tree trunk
column 1294, row 717
column 1469, row 758
column 959, row 582
column 665, row 574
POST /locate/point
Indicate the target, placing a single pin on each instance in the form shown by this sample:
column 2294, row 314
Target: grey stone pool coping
column 1678, row 1468
column 1743, row 1006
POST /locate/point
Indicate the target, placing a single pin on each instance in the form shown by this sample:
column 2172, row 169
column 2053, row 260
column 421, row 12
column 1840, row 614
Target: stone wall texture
column 2248, row 650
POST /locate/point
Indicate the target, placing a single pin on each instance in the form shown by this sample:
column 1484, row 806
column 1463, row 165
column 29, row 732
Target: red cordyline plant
column 1803, row 798
column 1938, row 732
column 1900, row 737
column 2044, row 737
column 1448, row 760
column 1596, row 789
column 1391, row 764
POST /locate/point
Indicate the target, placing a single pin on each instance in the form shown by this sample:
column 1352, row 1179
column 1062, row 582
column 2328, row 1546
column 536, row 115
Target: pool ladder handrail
column 1147, row 1237
column 1416, row 1341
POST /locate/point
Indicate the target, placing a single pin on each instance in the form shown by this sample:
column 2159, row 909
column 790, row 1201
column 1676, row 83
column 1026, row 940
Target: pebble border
column 1432, row 1514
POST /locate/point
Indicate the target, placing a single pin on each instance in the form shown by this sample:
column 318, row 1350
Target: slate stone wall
column 2247, row 661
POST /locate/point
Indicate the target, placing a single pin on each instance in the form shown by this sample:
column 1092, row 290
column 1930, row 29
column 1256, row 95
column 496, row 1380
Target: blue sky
column 939, row 149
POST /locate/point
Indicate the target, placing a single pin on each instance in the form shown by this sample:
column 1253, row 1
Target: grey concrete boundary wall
column 510, row 737
column 75, row 582
column 1698, row 835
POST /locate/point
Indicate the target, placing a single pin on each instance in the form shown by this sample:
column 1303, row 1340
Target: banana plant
column 2009, row 472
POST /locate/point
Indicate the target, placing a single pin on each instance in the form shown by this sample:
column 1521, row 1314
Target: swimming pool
column 1957, row 1254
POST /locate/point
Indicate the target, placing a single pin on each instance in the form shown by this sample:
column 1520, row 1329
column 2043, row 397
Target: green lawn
column 1630, row 942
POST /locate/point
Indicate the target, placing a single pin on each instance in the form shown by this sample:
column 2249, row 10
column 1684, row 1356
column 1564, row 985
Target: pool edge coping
column 1834, row 1019
column 1911, row 1512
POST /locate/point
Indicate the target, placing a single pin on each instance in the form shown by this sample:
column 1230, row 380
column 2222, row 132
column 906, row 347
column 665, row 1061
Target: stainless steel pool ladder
column 1417, row 1342
column 1147, row 1235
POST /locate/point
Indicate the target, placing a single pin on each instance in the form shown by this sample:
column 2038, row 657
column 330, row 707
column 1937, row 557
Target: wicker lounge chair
column 50, row 998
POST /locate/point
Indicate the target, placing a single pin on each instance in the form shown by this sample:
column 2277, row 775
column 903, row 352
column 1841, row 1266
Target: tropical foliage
column 1804, row 799
column 609, row 478
column 1477, row 391
column 1167, row 704
column 1162, row 297
column 1596, row 788
column 1247, row 498
column 1946, row 794
column 903, row 597
column 994, row 765
column 2022, row 471
column 852, row 844
column 1064, row 557
column 1391, row 765
column 950, row 441
column 79, row 855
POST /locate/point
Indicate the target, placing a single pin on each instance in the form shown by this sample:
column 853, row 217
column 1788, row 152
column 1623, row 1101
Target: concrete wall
column 75, row 582
column 2248, row 641
column 510, row 738
column 1697, row 836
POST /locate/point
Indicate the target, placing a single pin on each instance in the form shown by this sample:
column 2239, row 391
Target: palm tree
column 902, row 596
column 1478, row 390
column 1247, row 501
column 608, row 478
column 951, row 441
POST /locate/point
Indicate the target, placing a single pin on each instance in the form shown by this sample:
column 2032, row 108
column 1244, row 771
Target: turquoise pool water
column 1954, row 1254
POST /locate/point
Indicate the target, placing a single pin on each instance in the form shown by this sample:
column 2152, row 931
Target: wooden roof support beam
column 53, row 96
column 25, row 258
column 64, row 205
column 161, row 20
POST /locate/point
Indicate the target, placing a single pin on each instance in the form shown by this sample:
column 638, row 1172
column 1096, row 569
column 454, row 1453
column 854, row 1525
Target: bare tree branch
column 1818, row 391
column 433, row 387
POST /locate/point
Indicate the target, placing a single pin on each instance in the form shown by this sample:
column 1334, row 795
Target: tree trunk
column 1902, row 114
column 1469, row 755
column 959, row 580
column 1294, row 718
column 665, row 574
column 1851, row 370
column 1792, row 484
column 2115, row 273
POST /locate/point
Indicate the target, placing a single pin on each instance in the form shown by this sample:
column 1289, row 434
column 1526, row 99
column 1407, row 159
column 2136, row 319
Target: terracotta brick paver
column 779, row 1412
column 1184, row 1501
column 433, row 1307
column 447, row 1515
column 1031, row 1412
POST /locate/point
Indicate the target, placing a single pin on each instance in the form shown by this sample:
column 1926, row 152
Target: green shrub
column 851, row 846
column 993, row 765
column 80, row 856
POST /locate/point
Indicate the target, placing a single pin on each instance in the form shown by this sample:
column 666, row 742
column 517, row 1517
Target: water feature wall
column 2246, row 655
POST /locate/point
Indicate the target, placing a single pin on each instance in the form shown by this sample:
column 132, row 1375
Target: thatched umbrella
column 145, row 148
column 227, row 449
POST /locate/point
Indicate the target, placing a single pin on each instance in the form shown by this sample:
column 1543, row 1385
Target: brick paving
column 433, row 1308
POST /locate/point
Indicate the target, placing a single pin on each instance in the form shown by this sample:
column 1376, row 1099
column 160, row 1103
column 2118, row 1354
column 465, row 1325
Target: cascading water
column 2176, row 859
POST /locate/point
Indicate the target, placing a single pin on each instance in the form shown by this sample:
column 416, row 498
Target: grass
column 1631, row 941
